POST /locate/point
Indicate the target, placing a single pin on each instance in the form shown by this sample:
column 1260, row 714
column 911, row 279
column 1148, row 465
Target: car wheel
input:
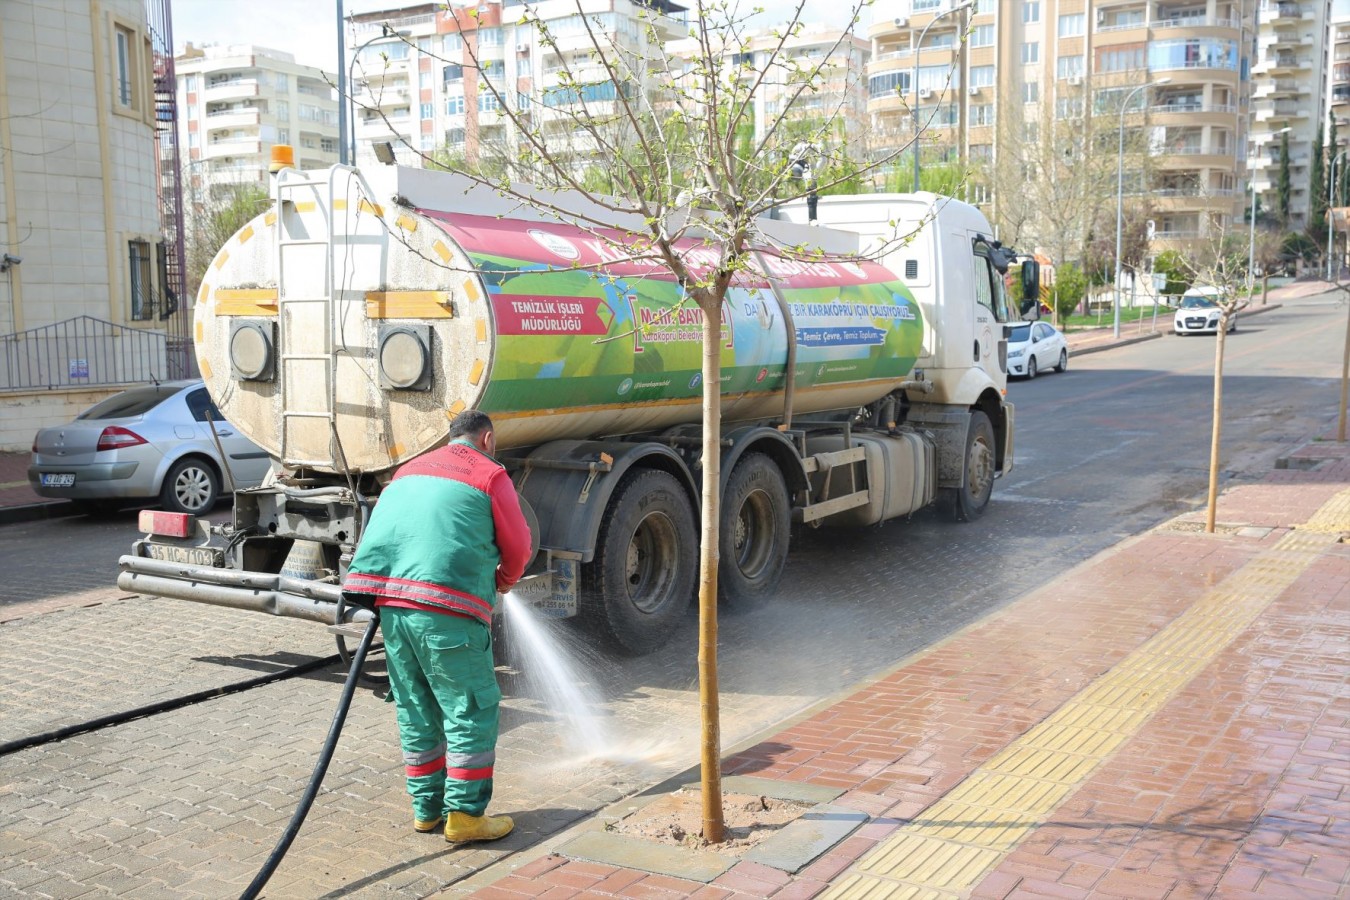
column 1031, row 368
column 1063, row 360
column 191, row 486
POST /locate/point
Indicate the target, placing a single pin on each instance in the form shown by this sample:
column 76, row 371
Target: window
column 1207, row 53
column 142, row 286
column 1031, row 11
column 493, row 68
column 424, row 80
column 982, row 114
column 987, row 284
column 488, row 102
column 981, row 152
column 200, row 405
column 1121, row 59
column 981, row 76
column 328, row 145
column 922, row 5
column 1031, row 92
column 1069, row 67
column 452, row 44
column 283, row 81
column 1031, row 52
column 426, row 111
column 454, row 104
column 888, row 84
column 128, row 76
column 455, row 136
column 982, row 36
column 283, row 110
column 283, row 135
column 1069, row 108
column 489, row 37
column 452, row 73
column 1071, row 25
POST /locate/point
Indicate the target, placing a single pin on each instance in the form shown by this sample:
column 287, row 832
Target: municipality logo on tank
column 625, row 386
column 555, row 244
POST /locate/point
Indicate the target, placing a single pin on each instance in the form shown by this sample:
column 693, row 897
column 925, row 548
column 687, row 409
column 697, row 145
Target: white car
column 1199, row 314
column 1034, row 347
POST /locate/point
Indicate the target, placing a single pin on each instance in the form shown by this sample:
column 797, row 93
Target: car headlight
column 1014, row 354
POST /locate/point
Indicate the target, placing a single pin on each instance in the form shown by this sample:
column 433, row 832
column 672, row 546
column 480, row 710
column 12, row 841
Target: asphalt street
column 187, row 801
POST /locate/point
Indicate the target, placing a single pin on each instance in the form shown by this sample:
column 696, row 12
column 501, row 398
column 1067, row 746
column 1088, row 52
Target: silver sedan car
column 147, row 443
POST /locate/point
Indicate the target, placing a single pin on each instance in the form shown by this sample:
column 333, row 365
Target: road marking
column 954, row 843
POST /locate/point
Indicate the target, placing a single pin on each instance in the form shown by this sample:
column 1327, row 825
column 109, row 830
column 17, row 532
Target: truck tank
column 349, row 324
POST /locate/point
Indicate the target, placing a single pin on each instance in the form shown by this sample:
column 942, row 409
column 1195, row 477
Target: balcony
column 384, row 98
column 230, row 90
column 1195, row 21
column 1279, row 13
column 232, row 118
column 232, row 148
column 1280, row 111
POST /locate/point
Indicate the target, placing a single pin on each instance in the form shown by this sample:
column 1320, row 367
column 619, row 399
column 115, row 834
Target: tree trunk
column 711, row 757
column 1345, row 381
column 1217, row 427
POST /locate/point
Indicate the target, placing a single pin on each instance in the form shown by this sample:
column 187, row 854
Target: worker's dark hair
column 470, row 423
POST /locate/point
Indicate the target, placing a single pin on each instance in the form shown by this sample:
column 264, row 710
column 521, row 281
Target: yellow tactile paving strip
column 959, row 839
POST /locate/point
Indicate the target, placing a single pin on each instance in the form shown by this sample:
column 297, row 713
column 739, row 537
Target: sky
column 308, row 28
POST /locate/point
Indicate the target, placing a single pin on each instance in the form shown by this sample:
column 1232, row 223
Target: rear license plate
column 58, row 479
column 211, row 557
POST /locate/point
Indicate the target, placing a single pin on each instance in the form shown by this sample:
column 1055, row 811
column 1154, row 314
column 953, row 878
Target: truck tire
column 191, row 486
column 639, row 586
column 753, row 533
column 977, row 483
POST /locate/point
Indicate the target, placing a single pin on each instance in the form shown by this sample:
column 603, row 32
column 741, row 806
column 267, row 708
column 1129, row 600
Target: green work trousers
column 445, row 689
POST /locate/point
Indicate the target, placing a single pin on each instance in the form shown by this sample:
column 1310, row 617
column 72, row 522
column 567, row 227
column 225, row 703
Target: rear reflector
column 166, row 524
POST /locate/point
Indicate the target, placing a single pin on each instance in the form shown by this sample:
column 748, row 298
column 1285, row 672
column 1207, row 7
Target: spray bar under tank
column 279, row 595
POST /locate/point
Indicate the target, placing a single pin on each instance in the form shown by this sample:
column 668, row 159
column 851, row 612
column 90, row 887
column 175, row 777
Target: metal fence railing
column 79, row 352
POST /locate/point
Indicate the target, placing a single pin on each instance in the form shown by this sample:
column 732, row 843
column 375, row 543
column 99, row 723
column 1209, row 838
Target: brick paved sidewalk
column 1182, row 730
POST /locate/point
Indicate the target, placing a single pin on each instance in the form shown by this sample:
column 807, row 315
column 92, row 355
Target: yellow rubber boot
column 462, row 827
column 423, row 827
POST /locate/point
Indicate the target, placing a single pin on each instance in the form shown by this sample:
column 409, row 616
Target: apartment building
column 236, row 102
column 82, row 257
column 1290, row 68
column 430, row 79
column 1164, row 76
column 839, row 96
column 1338, row 89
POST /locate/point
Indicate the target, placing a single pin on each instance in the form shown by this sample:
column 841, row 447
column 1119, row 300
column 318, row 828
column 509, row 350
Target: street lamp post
column 1251, row 241
column 915, row 83
column 1120, row 191
column 385, row 32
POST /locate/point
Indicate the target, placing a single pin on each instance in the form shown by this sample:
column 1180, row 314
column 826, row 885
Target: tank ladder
column 302, row 347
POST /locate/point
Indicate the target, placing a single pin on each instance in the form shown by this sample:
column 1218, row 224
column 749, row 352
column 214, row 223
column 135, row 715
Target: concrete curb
column 33, row 512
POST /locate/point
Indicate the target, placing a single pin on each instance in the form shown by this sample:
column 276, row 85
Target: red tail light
column 115, row 437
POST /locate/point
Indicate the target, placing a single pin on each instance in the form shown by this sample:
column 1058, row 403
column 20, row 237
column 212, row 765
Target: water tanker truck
column 344, row 328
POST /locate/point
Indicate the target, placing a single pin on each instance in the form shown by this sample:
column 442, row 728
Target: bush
column 1173, row 265
column 1071, row 283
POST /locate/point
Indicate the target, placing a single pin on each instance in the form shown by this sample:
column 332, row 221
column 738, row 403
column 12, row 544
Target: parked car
column 1036, row 346
column 1199, row 313
column 146, row 443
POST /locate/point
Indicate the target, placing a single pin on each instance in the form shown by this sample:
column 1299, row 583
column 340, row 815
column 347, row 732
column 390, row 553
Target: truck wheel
column 970, row 500
column 638, row 587
column 753, row 533
column 191, row 486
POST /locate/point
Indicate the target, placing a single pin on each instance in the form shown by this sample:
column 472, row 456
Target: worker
column 799, row 158
column 446, row 537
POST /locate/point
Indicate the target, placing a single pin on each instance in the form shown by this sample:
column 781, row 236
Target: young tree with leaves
column 676, row 178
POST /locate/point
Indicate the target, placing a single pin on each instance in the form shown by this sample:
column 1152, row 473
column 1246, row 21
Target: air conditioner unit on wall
column 925, row 93
column 972, row 90
column 1075, row 80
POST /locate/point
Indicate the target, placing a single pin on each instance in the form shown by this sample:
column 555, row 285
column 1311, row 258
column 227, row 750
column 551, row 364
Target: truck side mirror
column 1031, row 290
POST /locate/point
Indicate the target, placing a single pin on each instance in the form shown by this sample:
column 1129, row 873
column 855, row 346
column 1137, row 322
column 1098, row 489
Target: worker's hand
column 502, row 584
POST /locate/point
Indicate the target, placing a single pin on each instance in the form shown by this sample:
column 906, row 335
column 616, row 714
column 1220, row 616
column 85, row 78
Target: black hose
column 320, row 768
column 160, row 706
